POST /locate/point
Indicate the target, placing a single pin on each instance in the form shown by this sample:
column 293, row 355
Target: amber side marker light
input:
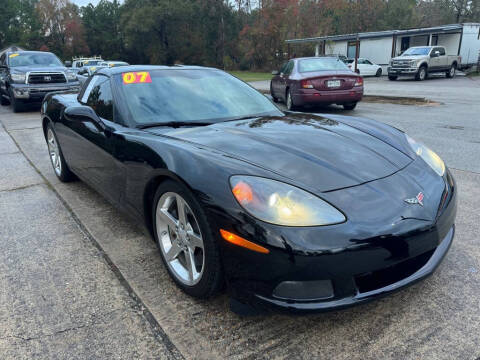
column 237, row 240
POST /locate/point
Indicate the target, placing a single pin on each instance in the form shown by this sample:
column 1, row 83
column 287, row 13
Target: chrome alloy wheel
column 289, row 101
column 452, row 71
column 54, row 152
column 180, row 238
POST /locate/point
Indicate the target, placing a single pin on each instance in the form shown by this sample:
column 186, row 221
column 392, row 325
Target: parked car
column 365, row 67
column 316, row 81
column 292, row 211
column 419, row 61
column 113, row 63
column 26, row 76
column 85, row 72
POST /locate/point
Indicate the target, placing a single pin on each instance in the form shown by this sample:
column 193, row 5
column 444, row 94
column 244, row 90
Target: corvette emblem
column 416, row 200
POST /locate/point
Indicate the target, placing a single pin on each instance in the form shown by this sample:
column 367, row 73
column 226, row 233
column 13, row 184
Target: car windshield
column 91, row 62
column 33, row 59
column 417, row 51
column 189, row 95
column 321, row 64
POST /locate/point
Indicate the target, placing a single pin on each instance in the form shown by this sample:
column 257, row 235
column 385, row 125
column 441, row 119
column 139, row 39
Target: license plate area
column 334, row 83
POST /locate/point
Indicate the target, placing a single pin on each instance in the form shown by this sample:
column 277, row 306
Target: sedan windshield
column 321, row 64
column 33, row 59
column 417, row 51
column 189, row 96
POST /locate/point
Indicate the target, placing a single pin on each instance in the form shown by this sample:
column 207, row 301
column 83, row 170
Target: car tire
column 274, row 98
column 17, row 106
column 350, row 106
column 451, row 72
column 421, row 73
column 59, row 164
column 289, row 101
column 378, row 73
column 392, row 77
column 170, row 231
column 4, row 101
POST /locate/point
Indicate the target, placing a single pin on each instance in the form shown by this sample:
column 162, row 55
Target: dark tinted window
column 289, row 68
column 442, row 50
column 100, row 100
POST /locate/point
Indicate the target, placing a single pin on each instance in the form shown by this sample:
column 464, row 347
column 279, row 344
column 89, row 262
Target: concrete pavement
column 437, row 318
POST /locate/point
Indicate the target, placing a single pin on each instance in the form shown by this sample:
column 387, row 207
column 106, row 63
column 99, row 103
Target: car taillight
column 306, row 84
column 359, row 82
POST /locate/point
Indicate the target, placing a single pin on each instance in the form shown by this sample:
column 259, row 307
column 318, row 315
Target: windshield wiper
column 173, row 124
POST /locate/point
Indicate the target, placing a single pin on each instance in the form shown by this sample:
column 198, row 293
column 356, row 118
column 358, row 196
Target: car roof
column 129, row 68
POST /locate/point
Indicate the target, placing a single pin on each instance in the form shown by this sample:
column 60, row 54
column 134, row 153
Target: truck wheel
column 392, row 77
column 421, row 74
column 452, row 71
column 16, row 104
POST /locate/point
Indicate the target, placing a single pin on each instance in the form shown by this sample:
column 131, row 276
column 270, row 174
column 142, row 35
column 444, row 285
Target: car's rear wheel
column 452, row 71
column 187, row 247
column 421, row 74
column 392, row 77
column 17, row 106
column 350, row 106
column 378, row 73
column 60, row 167
column 289, row 102
column 274, row 98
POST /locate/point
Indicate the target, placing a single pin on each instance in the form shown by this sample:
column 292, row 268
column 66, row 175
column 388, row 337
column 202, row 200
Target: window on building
column 434, row 40
column 351, row 49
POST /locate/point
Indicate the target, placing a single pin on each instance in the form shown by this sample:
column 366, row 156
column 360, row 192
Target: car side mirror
column 68, row 63
column 82, row 113
column 275, row 72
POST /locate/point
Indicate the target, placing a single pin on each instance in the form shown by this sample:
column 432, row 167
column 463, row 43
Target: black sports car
column 291, row 210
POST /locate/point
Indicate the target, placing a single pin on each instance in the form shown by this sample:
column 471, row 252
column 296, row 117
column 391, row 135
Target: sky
column 85, row 2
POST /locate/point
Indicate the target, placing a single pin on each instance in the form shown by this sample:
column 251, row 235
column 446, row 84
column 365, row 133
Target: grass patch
column 251, row 76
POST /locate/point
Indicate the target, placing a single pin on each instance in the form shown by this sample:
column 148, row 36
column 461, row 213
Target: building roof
column 444, row 29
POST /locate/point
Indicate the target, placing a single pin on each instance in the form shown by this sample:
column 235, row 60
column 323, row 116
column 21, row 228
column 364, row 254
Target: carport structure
column 381, row 46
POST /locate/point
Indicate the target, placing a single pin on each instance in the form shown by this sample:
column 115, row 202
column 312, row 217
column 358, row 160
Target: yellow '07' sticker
column 136, row 77
column 13, row 55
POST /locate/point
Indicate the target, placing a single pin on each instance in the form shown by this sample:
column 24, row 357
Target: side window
column 283, row 68
column 89, row 88
column 100, row 99
column 442, row 51
column 289, row 68
column 368, row 62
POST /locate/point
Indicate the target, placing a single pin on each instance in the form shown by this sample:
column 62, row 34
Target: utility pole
column 357, row 46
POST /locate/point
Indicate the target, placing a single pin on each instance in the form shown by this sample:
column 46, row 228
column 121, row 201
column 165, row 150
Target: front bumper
column 36, row 92
column 314, row 97
column 373, row 254
column 401, row 71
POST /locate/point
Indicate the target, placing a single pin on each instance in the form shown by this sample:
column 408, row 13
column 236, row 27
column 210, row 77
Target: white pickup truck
column 419, row 61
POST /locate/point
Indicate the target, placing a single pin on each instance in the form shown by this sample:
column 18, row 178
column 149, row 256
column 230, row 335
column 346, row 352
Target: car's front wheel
column 378, row 73
column 392, row 77
column 56, row 157
column 3, row 100
column 16, row 104
column 187, row 246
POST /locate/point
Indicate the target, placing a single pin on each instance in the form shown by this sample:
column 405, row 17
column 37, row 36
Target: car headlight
column 18, row 78
column 282, row 204
column 71, row 76
column 429, row 156
column 413, row 63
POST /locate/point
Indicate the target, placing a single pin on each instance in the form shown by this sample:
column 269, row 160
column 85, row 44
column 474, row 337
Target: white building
column 379, row 47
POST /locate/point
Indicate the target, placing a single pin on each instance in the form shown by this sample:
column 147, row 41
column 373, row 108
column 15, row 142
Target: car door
column 370, row 67
column 3, row 75
column 435, row 59
column 283, row 80
column 93, row 144
column 442, row 59
column 277, row 79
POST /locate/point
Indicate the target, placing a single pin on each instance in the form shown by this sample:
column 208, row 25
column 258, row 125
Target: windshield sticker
column 136, row 77
column 13, row 55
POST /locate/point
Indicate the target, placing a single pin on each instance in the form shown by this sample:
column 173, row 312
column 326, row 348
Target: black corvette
column 289, row 210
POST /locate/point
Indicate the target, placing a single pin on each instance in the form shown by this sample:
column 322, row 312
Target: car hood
column 25, row 69
column 321, row 153
column 410, row 57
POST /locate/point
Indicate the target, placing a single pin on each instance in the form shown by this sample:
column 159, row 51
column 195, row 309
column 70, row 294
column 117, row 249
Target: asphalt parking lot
column 78, row 279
